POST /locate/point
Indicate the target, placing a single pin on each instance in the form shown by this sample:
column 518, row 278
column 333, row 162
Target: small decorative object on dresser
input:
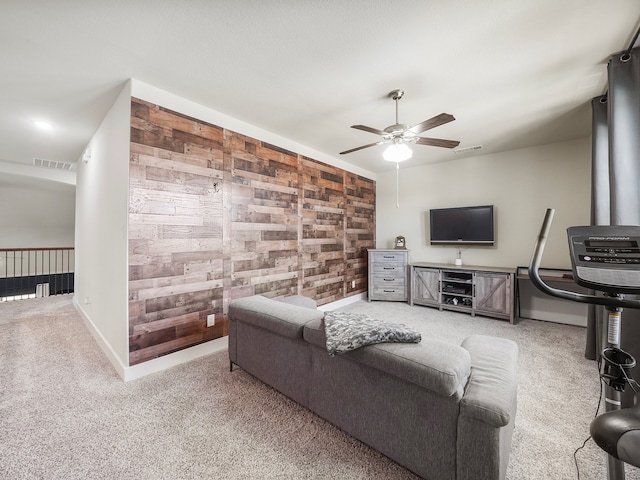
column 388, row 272
column 401, row 243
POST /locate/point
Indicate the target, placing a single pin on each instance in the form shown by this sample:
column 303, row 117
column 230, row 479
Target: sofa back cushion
column 279, row 317
column 438, row 366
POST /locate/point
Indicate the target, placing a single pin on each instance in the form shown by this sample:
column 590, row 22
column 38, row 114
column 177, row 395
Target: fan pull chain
column 397, row 185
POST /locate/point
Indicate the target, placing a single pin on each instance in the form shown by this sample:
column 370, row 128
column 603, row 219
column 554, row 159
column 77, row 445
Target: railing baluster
column 22, row 281
column 48, row 277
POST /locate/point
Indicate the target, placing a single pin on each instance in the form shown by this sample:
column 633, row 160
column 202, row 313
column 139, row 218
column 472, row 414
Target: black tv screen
column 462, row 225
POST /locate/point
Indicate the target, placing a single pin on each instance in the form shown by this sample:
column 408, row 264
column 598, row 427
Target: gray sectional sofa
column 443, row 411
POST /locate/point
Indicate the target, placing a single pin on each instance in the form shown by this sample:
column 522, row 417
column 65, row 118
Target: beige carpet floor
column 65, row 414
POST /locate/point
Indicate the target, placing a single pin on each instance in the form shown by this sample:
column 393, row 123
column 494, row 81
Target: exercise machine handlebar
column 617, row 301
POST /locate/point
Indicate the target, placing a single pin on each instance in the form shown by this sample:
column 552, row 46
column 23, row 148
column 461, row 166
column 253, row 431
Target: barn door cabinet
column 425, row 286
column 494, row 294
column 487, row 291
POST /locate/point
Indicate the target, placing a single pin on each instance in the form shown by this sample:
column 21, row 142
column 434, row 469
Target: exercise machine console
column 605, row 259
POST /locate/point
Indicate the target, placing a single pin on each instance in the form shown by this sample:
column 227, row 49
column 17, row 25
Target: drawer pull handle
column 389, row 268
column 389, row 291
column 389, row 279
column 388, row 256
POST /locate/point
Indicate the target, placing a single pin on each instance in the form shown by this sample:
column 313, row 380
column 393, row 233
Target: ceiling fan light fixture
column 401, row 135
column 397, row 152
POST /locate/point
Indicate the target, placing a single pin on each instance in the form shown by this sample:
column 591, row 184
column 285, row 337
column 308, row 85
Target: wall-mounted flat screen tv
column 467, row 225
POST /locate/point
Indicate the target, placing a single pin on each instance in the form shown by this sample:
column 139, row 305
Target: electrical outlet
column 211, row 320
column 353, row 284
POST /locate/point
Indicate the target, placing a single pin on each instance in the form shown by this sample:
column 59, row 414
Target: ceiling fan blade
column 360, row 148
column 432, row 123
column 369, row 129
column 437, row 142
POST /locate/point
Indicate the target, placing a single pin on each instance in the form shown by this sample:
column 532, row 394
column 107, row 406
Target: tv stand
column 487, row 291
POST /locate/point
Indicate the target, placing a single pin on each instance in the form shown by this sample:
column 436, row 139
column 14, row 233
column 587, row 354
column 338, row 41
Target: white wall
column 102, row 194
column 521, row 184
column 36, row 213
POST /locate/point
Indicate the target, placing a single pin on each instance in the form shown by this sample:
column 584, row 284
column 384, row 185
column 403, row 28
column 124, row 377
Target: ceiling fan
column 398, row 136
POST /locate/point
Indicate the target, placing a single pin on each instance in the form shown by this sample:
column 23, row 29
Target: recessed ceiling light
column 43, row 125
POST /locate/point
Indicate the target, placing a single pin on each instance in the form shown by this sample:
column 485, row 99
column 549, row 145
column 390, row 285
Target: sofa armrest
column 490, row 395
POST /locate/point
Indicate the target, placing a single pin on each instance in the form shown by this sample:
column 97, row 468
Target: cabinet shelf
column 457, row 277
column 457, row 295
column 457, row 290
column 457, row 300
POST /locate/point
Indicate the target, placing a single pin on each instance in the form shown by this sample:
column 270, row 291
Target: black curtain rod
column 633, row 42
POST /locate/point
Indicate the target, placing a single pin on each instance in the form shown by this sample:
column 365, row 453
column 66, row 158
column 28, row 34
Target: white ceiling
column 514, row 73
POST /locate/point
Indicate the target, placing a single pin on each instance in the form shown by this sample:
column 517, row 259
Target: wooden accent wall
column 360, row 230
column 264, row 218
column 323, row 231
column 215, row 215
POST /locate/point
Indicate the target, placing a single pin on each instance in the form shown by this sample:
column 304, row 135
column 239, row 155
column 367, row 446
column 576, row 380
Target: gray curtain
column 624, row 138
column 600, row 193
column 600, row 208
column 623, row 175
column 624, row 172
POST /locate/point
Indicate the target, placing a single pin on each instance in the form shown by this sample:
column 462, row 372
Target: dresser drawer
column 388, row 268
column 389, row 293
column 389, row 257
column 389, row 280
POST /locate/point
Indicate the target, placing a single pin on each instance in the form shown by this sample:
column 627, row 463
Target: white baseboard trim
column 343, row 302
column 102, row 343
column 128, row 373
column 176, row 358
column 157, row 364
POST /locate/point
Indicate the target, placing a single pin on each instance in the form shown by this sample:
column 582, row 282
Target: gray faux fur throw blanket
column 347, row 331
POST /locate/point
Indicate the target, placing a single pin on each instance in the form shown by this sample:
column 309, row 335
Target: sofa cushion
column 346, row 331
column 279, row 317
column 299, row 300
column 314, row 333
column 439, row 366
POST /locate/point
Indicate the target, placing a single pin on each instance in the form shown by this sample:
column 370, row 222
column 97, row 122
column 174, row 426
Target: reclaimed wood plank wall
column 215, row 215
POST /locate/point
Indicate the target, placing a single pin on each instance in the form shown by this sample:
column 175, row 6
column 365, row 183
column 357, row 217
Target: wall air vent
column 467, row 149
column 52, row 164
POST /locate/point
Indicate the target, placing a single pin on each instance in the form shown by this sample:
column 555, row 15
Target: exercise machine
column 605, row 259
